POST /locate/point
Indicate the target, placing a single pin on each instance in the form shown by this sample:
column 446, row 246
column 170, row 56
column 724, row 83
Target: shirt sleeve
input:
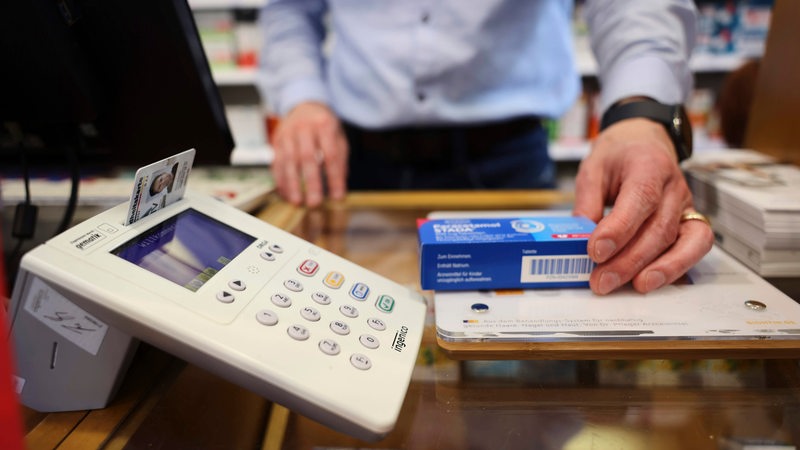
column 642, row 48
column 291, row 61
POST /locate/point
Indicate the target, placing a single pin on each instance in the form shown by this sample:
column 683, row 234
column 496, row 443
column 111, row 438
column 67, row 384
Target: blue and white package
column 504, row 253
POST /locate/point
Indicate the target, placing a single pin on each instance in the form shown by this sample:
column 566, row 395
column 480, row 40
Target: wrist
column 672, row 117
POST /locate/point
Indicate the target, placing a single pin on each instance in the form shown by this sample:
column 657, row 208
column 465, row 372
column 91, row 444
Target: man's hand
column 633, row 167
column 308, row 141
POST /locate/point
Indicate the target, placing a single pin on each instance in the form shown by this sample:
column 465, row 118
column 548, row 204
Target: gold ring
column 694, row 215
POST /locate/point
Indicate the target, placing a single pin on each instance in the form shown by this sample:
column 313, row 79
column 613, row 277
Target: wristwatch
column 673, row 117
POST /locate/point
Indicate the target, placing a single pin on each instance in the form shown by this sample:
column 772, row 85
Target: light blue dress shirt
column 386, row 63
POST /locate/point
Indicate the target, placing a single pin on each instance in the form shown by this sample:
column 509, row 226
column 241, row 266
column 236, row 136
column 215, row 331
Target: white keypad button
column 340, row 327
column 329, row 347
column 293, row 285
column 376, row 324
column 267, row 317
column 369, row 341
column 281, row 300
column 310, row 314
column 237, row 285
column 349, row 311
column 321, row 298
column 268, row 256
column 225, row 297
column 276, row 248
column 298, row 332
column 360, row 361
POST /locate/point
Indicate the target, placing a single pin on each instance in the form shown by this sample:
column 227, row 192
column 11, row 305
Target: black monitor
column 116, row 82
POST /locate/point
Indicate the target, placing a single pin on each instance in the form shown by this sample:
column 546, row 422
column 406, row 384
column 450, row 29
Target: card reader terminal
column 225, row 291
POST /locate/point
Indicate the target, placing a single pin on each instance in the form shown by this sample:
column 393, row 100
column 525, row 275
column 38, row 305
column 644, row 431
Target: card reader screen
column 187, row 249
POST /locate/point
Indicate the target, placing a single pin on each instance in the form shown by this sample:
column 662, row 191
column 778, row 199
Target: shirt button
column 425, row 17
column 421, row 96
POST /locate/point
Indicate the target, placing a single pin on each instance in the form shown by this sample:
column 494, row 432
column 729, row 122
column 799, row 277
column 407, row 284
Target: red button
column 308, row 268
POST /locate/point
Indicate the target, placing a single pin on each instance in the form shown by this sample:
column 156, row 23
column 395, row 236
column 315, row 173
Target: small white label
column 64, row 317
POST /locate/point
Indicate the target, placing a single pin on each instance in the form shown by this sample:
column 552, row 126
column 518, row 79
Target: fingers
column 662, row 249
column 695, row 239
column 639, row 199
column 335, row 157
column 647, row 232
column 642, row 239
column 308, row 158
column 285, row 171
column 308, row 142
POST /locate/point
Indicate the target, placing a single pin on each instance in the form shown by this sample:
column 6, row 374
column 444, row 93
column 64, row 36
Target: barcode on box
column 536, row 269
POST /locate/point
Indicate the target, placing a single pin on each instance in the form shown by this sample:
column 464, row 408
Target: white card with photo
column 159, row 184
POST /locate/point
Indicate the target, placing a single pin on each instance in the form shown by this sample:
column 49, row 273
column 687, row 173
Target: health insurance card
column 159, row 184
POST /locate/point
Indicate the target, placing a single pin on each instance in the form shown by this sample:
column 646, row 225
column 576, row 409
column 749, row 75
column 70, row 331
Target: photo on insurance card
column 159, row 184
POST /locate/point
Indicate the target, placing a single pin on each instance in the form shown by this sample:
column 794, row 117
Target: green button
column 385, row 303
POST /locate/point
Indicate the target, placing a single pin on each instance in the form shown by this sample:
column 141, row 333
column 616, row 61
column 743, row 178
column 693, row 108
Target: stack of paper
column 754, row 206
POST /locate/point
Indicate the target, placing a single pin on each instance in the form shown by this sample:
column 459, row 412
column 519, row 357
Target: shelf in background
column 575, row 151
column 699, row 62
column 234, row 76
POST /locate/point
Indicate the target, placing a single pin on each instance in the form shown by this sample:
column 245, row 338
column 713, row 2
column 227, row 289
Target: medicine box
column 504, row 252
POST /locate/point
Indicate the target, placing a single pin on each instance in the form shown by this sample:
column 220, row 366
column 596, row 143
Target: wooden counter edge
column 604, row 350
column 282, row 214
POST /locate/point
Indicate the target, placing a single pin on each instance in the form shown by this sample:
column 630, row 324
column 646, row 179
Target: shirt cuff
column 300, row 91
column 646, row 76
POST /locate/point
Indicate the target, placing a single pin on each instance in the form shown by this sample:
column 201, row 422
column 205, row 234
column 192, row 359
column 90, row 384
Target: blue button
column 359, row 291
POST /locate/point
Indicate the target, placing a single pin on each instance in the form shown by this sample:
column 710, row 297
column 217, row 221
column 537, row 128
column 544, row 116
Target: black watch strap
column 673, row 117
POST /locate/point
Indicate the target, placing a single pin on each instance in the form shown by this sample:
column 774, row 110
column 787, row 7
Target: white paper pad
column 715, row 302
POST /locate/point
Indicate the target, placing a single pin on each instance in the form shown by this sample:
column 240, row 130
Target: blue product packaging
column 504, row 253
